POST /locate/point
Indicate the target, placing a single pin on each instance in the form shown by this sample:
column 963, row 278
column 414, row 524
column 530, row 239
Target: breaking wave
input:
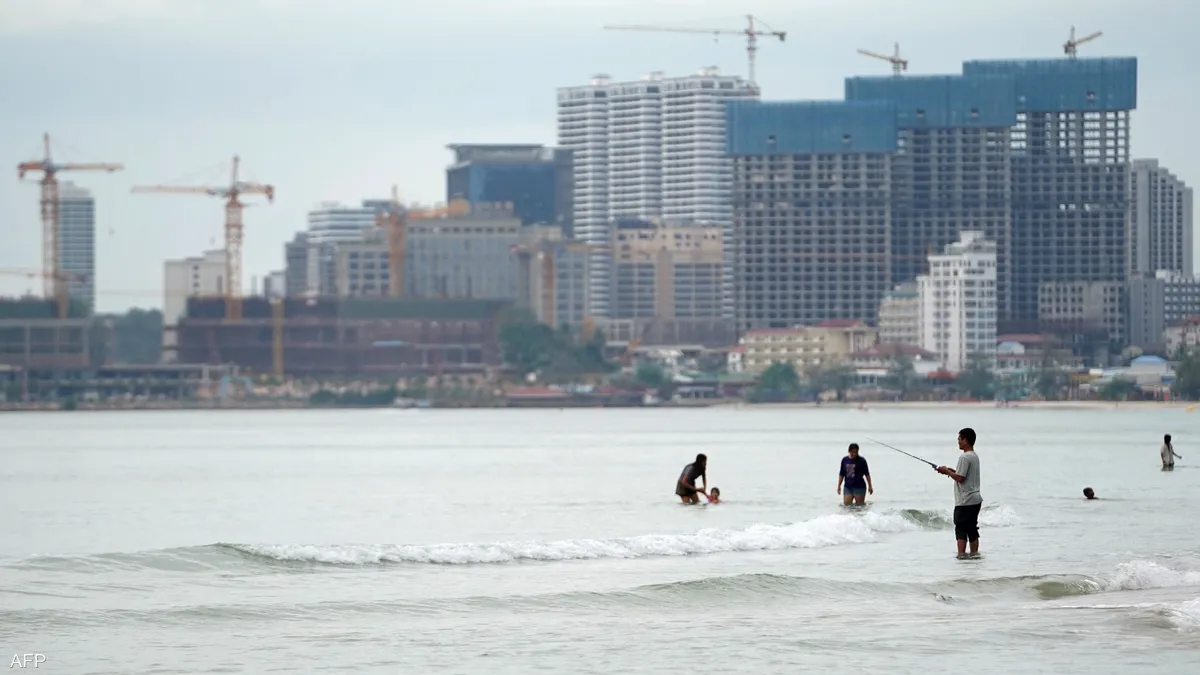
column 823, row 531
column 1136, row 575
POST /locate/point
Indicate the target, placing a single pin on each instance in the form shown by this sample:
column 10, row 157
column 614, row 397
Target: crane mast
column 1071, row 46
column 396, row 219
column 55, row 281
column 233, row 226
column 898, row 64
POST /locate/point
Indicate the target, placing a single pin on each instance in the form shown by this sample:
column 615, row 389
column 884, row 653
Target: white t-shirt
column 1168, row 454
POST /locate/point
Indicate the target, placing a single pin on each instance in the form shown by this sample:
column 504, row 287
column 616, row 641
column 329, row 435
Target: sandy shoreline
column 1014, row 405
column 1188, row 406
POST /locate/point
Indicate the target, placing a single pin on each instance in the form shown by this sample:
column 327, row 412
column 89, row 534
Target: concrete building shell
column 1033, row 153
column 345, row 338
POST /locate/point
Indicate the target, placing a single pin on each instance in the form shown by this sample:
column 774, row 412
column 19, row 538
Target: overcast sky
column 340, row 100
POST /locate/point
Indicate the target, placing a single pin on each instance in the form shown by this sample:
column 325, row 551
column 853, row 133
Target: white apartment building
column 958, row 301
column 329, row 224
column 77, row 241
column 1161, row 236
column 649, row 150
column 202, row 276
column 900, row 316
column 274, row 284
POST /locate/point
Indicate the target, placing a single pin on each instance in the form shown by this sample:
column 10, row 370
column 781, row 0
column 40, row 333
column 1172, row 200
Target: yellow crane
column 1071, row 46
column 898, row 64
column 55, row 282
column 752, row 32
column 277, row 336
column 546, row 252
column 233, row 227
column 396, row 220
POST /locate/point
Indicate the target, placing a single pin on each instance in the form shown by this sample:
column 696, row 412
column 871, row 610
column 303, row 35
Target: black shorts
column 966, row 522
column 682, row 490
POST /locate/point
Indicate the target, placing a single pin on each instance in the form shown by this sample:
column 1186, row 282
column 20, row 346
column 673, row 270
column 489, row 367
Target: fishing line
column 903, row 452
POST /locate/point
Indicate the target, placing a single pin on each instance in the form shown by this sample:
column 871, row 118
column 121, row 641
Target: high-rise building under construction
column 834, row 202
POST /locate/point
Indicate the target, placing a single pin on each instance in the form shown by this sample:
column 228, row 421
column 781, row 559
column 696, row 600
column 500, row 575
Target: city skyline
column 166, row 120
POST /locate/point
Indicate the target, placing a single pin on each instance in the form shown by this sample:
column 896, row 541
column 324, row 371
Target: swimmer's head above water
column 1089, row 493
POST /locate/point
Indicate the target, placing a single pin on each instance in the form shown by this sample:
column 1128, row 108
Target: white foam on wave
column 830, row 530
column 1138, row 575
column 1001, row 516
column 1185, row 616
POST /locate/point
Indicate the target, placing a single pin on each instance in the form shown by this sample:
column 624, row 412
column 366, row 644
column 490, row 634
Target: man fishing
column 686, row 488
column 1167, row 452
column 967, row 498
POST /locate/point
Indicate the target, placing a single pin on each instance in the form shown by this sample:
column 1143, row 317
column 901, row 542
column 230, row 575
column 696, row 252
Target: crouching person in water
column 685, row 487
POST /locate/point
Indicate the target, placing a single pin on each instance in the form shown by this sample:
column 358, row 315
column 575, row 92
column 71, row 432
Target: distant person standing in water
column 1168, row 453
column 685, row 487
column 967, row 498
column 856, row 477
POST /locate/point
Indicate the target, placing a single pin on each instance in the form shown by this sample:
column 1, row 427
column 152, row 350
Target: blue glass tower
column 536, row 180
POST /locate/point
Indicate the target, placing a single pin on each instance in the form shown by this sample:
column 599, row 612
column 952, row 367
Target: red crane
column 55, row 283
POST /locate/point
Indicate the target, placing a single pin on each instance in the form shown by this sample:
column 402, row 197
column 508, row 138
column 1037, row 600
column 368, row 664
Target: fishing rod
column 892, row 447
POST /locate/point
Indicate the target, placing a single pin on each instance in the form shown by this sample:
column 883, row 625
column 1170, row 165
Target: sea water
column 430, row 541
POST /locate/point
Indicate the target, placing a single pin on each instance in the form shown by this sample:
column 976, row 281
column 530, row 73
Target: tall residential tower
column 1161, row 235
column 958, row 302
column 648, row 150
column 77, row 237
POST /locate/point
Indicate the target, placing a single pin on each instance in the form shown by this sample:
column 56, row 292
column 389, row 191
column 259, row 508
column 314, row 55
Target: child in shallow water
column 714, row 496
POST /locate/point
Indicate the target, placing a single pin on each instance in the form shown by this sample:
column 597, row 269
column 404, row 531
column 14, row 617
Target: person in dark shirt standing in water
column 1167, row 452
column 686, row 488
column 967, row 498
column 857, row 478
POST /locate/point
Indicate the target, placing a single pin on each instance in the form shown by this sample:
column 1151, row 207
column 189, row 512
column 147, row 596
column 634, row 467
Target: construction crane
column 277, row 320
column 396, row 220
column 1071, row 46
column 898, row 64
column 546, row 252
column 233, row 227
column 55, row 285
column 751, row 31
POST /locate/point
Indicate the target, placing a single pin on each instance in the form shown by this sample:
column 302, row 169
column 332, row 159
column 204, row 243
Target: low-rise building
column 1026, row 355
column 900, row 316
column 1182, row 336
column 806, row 346
column 875, row 364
